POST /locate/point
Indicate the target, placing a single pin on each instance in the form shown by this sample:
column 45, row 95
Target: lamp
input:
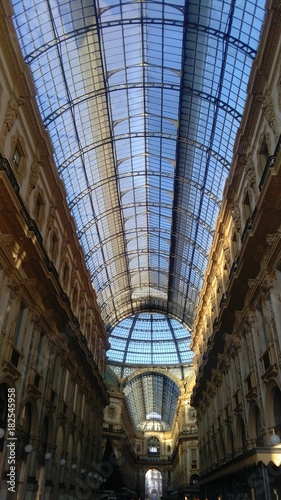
column 74, row 466
column 48, row 456
column 2, row 433
column 82, row 471
column 28, row 448
column 274, row 439
column 62, row 462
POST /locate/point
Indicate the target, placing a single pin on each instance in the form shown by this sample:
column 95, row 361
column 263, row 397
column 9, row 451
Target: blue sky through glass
column 150, row 339
column 142, row 102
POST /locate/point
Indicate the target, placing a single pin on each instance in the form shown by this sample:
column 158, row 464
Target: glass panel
column 142, row 102
column 150, row 339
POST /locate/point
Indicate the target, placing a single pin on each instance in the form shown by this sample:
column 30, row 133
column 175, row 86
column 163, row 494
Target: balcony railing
column 270, row 163
column 223, row 298
column 6, row 167
column 234, row 267
column 248, row 225
column 32, row 226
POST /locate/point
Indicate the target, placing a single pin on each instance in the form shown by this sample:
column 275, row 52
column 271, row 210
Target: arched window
column 45, row 433
column 153, row 446
column 247, row 211
column 153, row 484
column 27, row 418
column 277, row 411
column 19, row 158
column 65, row 274
column 60, row 452
column 230, row 442
column 194, row 479
column 38, row 207
column 3, row 411
column 263, row 154
column 241, row 434
column 20, row 325
column 74, row 297
column 54, row 243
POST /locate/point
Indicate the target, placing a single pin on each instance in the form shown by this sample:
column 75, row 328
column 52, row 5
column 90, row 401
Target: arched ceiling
column 150, row 339
column 142, row 101
column 152, row 400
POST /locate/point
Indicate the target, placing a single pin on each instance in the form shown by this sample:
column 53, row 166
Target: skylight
column 142, row 102
column 150, row 339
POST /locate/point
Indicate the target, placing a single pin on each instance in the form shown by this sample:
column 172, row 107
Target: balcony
column 248, row 225
column 223, row 298
column 270, row 163
column 234, row 267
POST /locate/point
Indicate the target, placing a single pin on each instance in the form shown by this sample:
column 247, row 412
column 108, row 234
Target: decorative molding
column 28, row 282
column 6, row 239
column 253, row 282
column 14, row 285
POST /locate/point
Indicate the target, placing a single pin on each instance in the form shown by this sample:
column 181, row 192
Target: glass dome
column 150, row 339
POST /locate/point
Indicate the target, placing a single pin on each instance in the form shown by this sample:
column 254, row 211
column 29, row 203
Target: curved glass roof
column 152, row 401
column 150, row 339
column 142, row 101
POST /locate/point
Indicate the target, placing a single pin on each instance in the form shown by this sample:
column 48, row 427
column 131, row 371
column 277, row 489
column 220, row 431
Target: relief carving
column 11, row 113
column 235, row 212
column 51, row 217
column 6, row 239
column 250, row 174
column 253, row 282
column 271, row 239
column 34, row 175
column 268, row 109
column 14, row 285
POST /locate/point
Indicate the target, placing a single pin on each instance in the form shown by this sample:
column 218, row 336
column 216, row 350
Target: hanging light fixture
column 28, row 448
column 274, row 439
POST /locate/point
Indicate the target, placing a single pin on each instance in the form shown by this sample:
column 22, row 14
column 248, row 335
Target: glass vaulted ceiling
column 152, row 401
column 150, row 339
column 142, row 101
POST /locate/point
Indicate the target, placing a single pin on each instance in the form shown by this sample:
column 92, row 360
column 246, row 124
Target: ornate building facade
column 53, row 342
column 172, row 453
column 237, row 332
column 70, row 410
column 58, row 400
